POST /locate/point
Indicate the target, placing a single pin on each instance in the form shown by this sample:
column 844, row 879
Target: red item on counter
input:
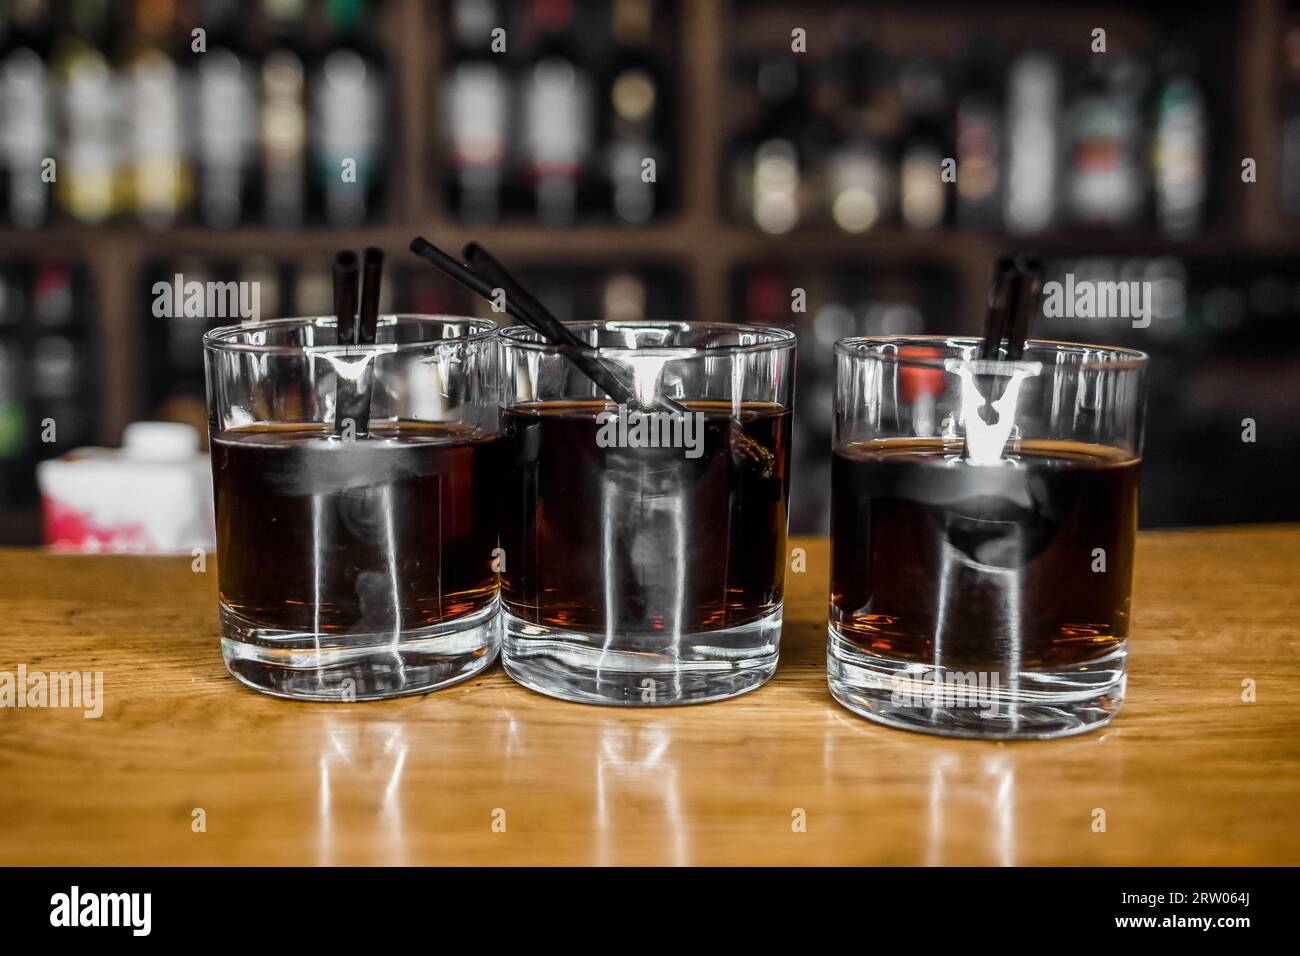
column 916, row 381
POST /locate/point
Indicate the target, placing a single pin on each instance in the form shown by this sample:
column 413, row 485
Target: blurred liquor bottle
column 979, row 141
column 635, row 155
column 767, row 168
column 283, row 116
column 159, row 183
column 861, row 184
column 26, row 133
column 1033, row 146
column 923, row 191
column 1106, row 183
column 558, row 101
column 88, row 169
column 347, row 108
column 476, row 109
column 1179, row 147
column 226, row 98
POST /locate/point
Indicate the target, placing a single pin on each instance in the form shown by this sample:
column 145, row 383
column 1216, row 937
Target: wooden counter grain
column 1189, row 773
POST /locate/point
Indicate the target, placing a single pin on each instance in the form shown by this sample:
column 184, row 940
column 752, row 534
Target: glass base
column 1028, row 705
column 351, row 667
column 710, row 665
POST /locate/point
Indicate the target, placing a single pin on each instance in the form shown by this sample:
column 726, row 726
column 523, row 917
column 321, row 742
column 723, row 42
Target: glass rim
column 1118, row 357
column 222, row 338
column 513, row 336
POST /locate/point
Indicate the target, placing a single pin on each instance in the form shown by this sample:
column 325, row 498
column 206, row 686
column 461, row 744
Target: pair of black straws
column 1013, row 300
column 357, row 280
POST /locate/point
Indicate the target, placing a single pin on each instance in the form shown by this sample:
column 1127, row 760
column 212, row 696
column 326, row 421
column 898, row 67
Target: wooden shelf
column 670, row 238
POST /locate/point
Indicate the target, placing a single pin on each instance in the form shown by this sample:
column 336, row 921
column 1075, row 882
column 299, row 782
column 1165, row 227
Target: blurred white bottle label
column 156, row 138
column 25, row 125
column 1034, row 95
column 225, row 135
column 557, row 134
column 347, row 111
column 476, row 104
column 91, row 118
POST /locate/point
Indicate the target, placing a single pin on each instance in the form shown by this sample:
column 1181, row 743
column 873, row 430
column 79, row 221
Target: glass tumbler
column 644, row 543
column 356, row 504
column 982, row 534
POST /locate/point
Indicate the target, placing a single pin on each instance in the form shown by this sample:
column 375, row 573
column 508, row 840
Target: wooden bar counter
column 186, row 766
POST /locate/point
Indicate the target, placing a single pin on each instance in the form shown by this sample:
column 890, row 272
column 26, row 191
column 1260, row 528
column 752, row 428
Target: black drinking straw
column 573, row 348
column 352, row 398
column 1013, row 300
column 345, row 295
column 1001, row 301
column 1028, row 291
column 525, row 308
column 744, row 448
column 543, row 322
column 540, row 319
column 372, row 271
column 345, row 318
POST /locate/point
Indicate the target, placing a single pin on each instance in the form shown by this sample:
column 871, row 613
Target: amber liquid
column 645, row 537
column 317, row 534
column 939, row 561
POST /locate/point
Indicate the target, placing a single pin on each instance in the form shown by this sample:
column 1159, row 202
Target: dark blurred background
column 783, row 178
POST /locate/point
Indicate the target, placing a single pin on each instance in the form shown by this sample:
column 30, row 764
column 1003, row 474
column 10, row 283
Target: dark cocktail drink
column 940, row 561
column 697, row 543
